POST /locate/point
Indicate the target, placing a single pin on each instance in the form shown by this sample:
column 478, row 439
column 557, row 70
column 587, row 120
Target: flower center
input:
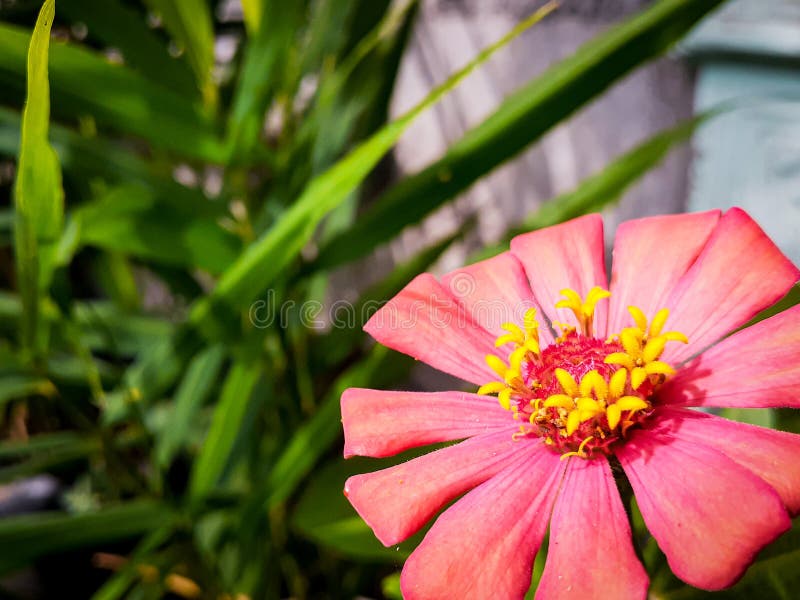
column 581, row 394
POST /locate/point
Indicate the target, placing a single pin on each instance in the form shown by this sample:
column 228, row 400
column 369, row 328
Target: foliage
column 194, row 433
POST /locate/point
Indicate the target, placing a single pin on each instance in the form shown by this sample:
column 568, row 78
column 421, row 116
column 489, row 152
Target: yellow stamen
column 658, row 322
column 638, row 375
column 491, row 388
column 530, row 323
column 638, row 317
column 573, row 420
column 567, row 382
column 658, row 367
column 613, row 414
column 631, row 340
column 560, row 401
column 508, row 338
column 581, row 449
column 593, row 382
column 631, row 403
column 620, row 358
column 504, row 397
column 583, row 310
column 675, row 336
column 653, row 349
column 616, row 386
column 496, row 364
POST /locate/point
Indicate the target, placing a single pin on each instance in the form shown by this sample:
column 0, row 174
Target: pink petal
column 772, row 455
column 591, row 554
column 756, row 367
column 484, row 545
column 739, row 273
column 569, row 255
column 379, row 423
column 709, row 515
column 650, row 256
column 494, row 291
column 425, row 322
column 399, row 500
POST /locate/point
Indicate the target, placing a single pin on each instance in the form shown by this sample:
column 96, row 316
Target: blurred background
column 237, row 184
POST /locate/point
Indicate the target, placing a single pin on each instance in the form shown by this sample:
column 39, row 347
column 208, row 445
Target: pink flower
column 608, row 385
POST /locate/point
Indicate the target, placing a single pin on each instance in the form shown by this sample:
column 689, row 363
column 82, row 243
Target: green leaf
column 38, row 198
column 764, row 417
column 85, row 158
column 390, row 586
column 192, row 392
column 262, row 68
column 116, row 97
column 66, row 443
column 132, row 220
column 605, row 187
column 252, row 9
column 139, row 44
column 520, row 120
column 264, row 260
column 225, row 425
column 190, row 24
column 13, row 386
column 27, row 538
column 120, row 582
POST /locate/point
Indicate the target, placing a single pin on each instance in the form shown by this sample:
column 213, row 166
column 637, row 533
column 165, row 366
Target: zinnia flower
column 587, row 381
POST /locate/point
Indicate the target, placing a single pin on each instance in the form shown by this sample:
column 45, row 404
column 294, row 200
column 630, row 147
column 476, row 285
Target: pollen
column 581, row 395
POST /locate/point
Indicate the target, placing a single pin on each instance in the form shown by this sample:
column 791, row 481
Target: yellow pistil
column 581, row 449
column 593, row 397
column 525, row 339
column 583, row 310
column 643, row 347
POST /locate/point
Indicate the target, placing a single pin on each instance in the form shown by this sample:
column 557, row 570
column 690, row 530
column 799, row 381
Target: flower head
column 575, row 375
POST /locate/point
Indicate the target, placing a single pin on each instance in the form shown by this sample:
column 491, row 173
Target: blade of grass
column 261, row 71
column 604, row 187
column 118, row 97
column 262, row 261
column 120, row 582
column 225, row 424
column 38, row 198
column 190, row 24
column 520, row 120
column 131, row 219
column 27, row 538
column 141, row 47
column 192, row 392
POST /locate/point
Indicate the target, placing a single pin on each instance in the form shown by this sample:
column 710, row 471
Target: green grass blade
column 521, row 119
column 117, row 586
column 263, row 260
column 29, row 537
column 225, row 425
column 192, row 392
column 605, row 187
column 139, row 44
column 133, row 220
column 38, row 198
column 84, row 83
column 262, row 69
column 190, row 24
